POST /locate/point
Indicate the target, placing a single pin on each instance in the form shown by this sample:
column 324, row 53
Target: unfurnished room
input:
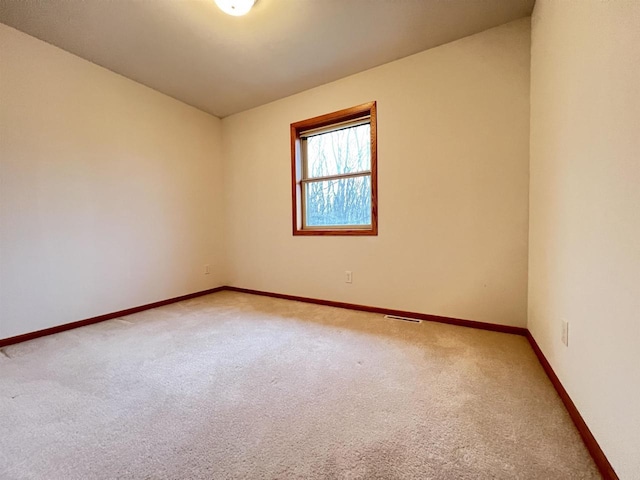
column 319, row 239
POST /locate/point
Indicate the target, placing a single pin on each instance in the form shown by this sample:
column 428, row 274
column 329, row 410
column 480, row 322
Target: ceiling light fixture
column 235, row 7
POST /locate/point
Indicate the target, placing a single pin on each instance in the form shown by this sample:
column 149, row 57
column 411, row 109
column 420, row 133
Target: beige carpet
column 239, row 386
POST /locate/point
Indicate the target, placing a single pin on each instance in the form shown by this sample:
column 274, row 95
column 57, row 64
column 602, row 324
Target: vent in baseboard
column 404, row 319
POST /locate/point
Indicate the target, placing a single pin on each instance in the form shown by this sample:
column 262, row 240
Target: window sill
column 343, row 232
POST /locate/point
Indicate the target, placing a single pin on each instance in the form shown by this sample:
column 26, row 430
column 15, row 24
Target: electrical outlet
column 207, row 269
column 348, row 277
column 565, row 333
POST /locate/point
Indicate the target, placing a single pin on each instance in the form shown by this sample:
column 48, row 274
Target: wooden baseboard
column 590, row 442
column 388, row 311
column 101, row 318
column 351, row 306
column 600, row 459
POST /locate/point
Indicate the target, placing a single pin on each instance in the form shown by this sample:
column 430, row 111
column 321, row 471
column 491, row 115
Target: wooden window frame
column 297, row 128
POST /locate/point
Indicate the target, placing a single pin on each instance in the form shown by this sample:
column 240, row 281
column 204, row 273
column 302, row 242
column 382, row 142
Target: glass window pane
column 342, row 151
column 344, row 201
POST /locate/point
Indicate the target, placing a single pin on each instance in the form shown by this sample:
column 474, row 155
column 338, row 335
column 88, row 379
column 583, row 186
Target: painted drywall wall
column 453, row 151
column 110, row 193
column 585, row 212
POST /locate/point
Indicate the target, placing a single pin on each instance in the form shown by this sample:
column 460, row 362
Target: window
column 333, row 171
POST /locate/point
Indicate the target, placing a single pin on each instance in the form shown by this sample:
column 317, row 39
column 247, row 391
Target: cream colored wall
column 453, row 133
column 585, row 212
column 110, row 193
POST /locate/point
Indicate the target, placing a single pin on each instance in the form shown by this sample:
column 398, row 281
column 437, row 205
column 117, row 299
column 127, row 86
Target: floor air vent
column 404, row 319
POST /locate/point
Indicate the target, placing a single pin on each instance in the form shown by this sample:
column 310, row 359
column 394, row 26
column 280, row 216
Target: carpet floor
column 236, row 386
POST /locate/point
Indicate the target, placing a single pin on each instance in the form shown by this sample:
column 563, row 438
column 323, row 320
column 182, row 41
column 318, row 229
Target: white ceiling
column 192, row 51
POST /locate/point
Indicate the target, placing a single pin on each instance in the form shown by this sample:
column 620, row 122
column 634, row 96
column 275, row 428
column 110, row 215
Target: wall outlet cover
column 565, row 333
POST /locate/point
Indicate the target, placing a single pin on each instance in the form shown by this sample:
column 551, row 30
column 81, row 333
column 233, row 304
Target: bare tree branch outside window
column 339, row 201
